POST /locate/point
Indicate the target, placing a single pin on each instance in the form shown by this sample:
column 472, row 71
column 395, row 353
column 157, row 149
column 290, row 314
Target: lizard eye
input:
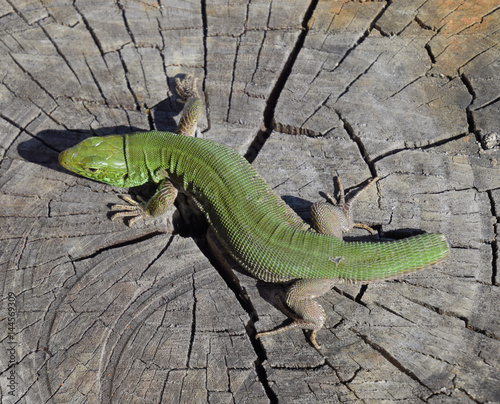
column 91, row 169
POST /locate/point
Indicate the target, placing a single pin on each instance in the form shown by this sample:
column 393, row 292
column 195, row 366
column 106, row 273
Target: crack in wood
column 193, row 332
column 471, row 122
column 487, row 104
column 264, row 381
column 405, row 87
column 393, row 312
column 129, row 85
column 264, row 36
column 132, row 241
column 268, row 123
column 348, row 87
column 306, row 131
column 223, row 264
column 361, row 147
column 351, row 297
column 345, row 382
column 391, row 359
column 96, row 82
column 360, row 294
column 432, row 57
column 125, row 21
column 494, row 243
column 91, row 31
column 233, row 78
column 16, row 10
column 33, row 78
column 492, row 46
column 60, row 53
column 160, row 254
column 469, row 395
column 425, row 147
column 451, row 314
column 204, row 22
column 364, row 36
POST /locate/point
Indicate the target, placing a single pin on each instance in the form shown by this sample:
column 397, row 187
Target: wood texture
column 307, row 90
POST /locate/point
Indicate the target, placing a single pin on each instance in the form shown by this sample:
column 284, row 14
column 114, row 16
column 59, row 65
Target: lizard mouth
column 65, row 158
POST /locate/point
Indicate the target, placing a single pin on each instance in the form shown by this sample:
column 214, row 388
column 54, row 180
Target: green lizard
column 263, row 234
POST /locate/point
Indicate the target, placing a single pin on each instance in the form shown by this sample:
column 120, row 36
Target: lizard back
column 257, row 227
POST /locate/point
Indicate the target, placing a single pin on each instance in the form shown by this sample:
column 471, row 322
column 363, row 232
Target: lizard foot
column 334, row 217
column 186, row 88
column 193, row 108
column 305, row 325
column 303, row 309
column 134, row 210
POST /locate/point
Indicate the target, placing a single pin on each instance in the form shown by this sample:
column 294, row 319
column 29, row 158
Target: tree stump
column 93, row 311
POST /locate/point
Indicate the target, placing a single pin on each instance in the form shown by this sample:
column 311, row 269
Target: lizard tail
column 375, row 261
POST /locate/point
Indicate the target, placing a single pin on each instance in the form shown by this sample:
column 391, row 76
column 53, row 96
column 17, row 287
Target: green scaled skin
column 253, row 223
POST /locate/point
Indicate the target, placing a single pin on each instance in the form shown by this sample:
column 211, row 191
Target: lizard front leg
column 166, row 192
column 332, row 218
column 157, row 205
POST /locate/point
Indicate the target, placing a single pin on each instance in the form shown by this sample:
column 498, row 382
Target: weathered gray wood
column 407, row 91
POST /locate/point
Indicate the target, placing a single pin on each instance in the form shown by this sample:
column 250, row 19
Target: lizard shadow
column 44, row 147
column 275, row 293
column 238, row 279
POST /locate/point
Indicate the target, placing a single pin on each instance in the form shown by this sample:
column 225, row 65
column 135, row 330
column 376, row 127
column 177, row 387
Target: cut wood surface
column 92, row 311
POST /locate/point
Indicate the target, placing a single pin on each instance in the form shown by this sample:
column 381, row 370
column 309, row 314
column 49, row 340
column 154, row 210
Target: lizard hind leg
column 306, row 312
column 334, row 217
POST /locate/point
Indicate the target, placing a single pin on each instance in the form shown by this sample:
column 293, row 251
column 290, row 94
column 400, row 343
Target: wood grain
column 307, row 90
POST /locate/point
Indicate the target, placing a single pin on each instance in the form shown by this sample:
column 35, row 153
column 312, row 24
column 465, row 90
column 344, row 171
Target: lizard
column 253, row 224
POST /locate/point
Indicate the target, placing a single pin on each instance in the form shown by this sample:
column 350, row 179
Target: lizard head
column 98, row 158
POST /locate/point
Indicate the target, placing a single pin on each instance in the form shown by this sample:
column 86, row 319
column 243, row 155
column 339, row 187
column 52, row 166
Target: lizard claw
column 296, row 323
column 186, row 88
column 134, row 210
column 313, row 325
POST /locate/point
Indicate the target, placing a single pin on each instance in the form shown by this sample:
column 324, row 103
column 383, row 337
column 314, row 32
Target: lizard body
column 257, row 228
column 253, row 223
